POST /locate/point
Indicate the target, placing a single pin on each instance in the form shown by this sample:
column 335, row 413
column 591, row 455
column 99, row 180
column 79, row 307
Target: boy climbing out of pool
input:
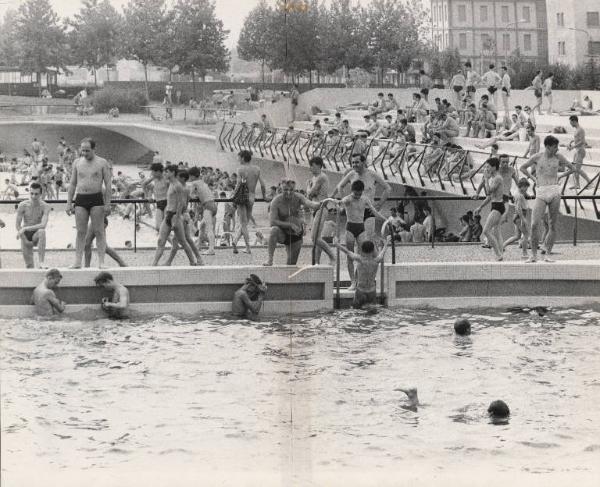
column 366, row 271
column 358, row 208
column 248, row 299
column 116, row 306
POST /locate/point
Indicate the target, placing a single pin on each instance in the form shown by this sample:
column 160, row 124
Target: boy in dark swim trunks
column 33, row 213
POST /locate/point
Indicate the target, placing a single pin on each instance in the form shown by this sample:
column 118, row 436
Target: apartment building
column 487, row 31
column 573, row 31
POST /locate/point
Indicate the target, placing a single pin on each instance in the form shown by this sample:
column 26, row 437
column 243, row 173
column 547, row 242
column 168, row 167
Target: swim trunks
column 362, row 297
column 499, row 207
column 548, row 194
column 161, row 205
column 169, row 218
column 328, row 240
column 291, row 238
column 355, row 228
column 492, row 90
column 88, row 201
column 425, row 91
column 508, row 198
column 29, row 234
column 537, row 92
column 471, row 89
column 458, row 89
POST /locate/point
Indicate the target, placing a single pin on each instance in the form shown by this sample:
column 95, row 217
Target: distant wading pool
column 305, row 400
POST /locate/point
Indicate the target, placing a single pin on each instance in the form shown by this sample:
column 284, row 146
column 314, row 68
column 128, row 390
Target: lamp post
column 517, row 22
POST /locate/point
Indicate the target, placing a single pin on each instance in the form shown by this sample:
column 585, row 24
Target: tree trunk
column 263, row 73
column 194, row 83
column 39, row 82
column 107, row 73
column 310, row 78
column 95, row 78
column 146, row 81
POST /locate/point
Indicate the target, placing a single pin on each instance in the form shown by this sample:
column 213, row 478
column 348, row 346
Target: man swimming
column 248, row 299
column 85, row 198
column 45, row 300
column 548, row 193
column 116, row 306
column 33, row 213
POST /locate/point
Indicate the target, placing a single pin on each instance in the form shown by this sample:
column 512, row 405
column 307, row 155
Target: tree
column 96, row 35
column 40, row 38
column 200, row 38
column 254, row 43
column 145, row 25
column 9, row 55
column 349, row 35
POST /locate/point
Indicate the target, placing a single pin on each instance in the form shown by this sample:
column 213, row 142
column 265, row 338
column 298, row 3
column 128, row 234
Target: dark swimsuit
column 368, row 214
column 29, row 234
column 499, row 207
column 161, row 205
column 169, row 218
column 291, row 238
column 355, row 228
column 88, row 201
column 492, row 90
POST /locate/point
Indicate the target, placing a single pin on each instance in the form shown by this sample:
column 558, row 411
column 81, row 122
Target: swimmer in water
column 117, row 306
column 248, row 299
column 45, row 300
column 413, row 397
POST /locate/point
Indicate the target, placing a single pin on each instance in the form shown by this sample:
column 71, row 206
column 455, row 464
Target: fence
column 37, row 109
column 443, row 168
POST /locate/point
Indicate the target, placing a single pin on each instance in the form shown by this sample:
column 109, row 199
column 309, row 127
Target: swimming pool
column 302, row 401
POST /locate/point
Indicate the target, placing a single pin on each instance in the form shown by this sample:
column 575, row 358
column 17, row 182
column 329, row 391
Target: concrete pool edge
column 193, row 290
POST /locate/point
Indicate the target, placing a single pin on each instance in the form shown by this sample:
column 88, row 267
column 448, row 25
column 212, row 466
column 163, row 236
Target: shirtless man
column 370, row 180
column 356, row 205
column 116, row 306
column 509, row 174
column 534, row 142
column 207, row 208
column 287, row 226
column 495, row 194
column 547, row 165
column 318, row 190
column 172, row 221
column 45, row 301
column 578, row 144
column 183, row 176
column 367, row 264
column 249, row 175
column 160, row 186
column 248, row 299
column 33, row 213
column 86, row 200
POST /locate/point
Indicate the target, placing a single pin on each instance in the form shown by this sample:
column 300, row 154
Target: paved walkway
column 12, row 259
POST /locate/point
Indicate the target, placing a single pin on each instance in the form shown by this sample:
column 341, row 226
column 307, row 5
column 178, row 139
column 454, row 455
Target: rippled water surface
column 301, row 401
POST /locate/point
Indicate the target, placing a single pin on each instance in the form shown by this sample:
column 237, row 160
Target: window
column 483, row 13
column 594, row 48
column 562, row 48
column 504, row 13
column 593, row 19
column 486, row 42
column 462, row 41
column 462, row 13
column 526, row 14
column 506, row 42
column 560, row 19
column 527, row 42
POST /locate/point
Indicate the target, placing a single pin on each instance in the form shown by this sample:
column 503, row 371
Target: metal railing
column 407, row 163
column 37, row 109
column 182, row 112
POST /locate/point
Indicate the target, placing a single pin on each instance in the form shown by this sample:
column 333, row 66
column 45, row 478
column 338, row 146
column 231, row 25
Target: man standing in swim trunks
column 207, row 208
column 356, row 204
column 287, row 226
column 173, row 220
column 495, row 193
column 492, row 80
column 505, row 82
column 509, row 174
column 34, row 213
column 86, row 200
column 160, row 186
column 370, row 180
column 547, row 165
column 249, row 175
column 578, row 144
column 537, row 91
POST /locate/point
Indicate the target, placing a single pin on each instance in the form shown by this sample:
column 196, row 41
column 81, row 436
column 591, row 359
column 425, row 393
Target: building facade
column 487, row 31
column 573, row 31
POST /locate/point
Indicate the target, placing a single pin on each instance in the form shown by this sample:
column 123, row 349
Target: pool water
column 302, row 401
